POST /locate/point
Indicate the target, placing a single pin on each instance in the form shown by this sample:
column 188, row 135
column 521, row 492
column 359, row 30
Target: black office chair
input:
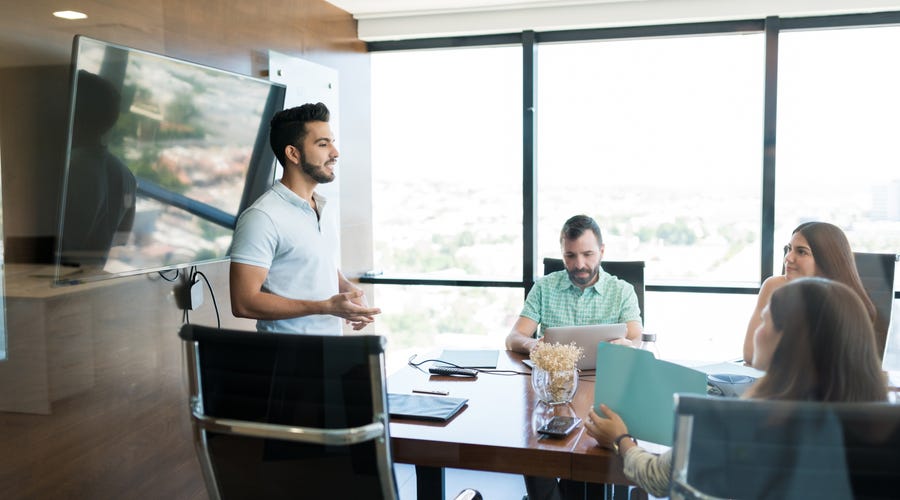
column 876, row 270
column 290, row 416
column 733, row 448
column 631, row 271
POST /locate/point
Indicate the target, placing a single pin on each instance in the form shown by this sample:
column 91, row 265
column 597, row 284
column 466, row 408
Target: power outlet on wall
column 196, row 298
column 189, row 295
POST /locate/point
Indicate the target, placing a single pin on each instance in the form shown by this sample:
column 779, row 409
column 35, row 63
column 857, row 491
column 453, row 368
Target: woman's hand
column 604, row 430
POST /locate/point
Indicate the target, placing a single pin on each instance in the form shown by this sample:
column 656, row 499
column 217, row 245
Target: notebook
column 421, row 407
column 587, row 337
column 483, row 358
column 641, row 389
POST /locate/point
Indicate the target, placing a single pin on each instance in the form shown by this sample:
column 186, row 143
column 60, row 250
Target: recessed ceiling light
column 70, row 14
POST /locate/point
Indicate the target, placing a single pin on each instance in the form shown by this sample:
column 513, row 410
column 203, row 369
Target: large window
column 838, row 125
column 838, row 154
column 698, row 327
column 660, row 137
column 422, row 320
column 447, row 162
column 658, row 140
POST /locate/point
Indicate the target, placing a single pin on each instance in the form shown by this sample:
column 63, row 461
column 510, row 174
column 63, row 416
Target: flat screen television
column 162, row 156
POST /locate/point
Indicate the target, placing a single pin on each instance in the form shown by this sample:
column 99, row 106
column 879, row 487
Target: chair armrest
column 468, row 494
column 338, row 437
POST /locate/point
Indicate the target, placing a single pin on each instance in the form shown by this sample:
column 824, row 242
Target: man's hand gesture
column 352, row 306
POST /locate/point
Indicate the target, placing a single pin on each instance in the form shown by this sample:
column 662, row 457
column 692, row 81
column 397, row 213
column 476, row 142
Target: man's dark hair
column 577, row 225
column 288, row 127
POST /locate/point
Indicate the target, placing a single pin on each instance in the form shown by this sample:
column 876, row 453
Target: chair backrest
column 733, row 448
column 631, row 271
column 289, row 416
column 876, row 270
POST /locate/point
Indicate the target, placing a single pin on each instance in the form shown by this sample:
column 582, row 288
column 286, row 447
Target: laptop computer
column 587, row 337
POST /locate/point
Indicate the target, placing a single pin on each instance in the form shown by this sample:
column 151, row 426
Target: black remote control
column 450, row 371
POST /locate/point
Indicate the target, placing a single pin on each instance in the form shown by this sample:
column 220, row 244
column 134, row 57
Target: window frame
column 771, row 26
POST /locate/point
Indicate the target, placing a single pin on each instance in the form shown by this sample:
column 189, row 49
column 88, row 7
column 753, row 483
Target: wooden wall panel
column 288, row 26
column 100, row 409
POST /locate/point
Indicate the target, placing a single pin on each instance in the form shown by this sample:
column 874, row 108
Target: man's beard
column 583, row 281
column 318, row 173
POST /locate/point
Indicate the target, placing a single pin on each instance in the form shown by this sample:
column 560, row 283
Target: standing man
column 583, row 294
column 284, row 262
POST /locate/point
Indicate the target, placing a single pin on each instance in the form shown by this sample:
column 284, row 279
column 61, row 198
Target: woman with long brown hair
column 816, row 343
column 816, row 249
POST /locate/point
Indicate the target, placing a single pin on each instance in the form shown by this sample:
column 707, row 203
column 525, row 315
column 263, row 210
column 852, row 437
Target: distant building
column 886, row 201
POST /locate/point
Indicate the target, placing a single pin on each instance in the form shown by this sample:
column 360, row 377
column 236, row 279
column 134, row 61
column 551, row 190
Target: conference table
column 496, row 431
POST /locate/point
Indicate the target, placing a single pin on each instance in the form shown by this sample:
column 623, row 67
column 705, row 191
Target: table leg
column 429, row 483
column 580, row 490
column 617, row 492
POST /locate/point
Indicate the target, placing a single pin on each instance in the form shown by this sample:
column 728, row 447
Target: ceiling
column 382, row 8
column 405, row 19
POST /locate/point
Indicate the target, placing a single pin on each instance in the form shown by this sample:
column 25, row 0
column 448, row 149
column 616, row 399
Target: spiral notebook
column 421, row 407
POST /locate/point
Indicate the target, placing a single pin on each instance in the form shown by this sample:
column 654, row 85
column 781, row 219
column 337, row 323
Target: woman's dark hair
column 827, row 348
column 834, row 259
column 288, row 127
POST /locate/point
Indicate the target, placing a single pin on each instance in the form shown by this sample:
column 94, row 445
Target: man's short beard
column 318, row 174
column 579, row 281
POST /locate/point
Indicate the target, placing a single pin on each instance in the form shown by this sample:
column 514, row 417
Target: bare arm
column 519, row 339
column 765, row 292
column 344, row 284
column 633, row 331
column 249, row 301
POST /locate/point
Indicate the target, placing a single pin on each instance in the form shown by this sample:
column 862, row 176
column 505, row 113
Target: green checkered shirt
column 555, row 301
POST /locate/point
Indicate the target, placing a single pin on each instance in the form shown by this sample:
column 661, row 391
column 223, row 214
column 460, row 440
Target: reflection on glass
column 100, row 201
column 2, row 291
column 447, row 162
column 659, row 141
column 163, row 155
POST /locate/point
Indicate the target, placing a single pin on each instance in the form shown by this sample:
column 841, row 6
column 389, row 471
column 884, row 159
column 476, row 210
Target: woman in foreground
column 816, row 343
column 816, row 249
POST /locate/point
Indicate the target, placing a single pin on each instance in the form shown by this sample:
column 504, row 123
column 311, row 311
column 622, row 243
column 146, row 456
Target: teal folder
column 640, row 388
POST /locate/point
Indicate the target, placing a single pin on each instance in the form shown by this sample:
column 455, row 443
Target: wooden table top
column 497, row 430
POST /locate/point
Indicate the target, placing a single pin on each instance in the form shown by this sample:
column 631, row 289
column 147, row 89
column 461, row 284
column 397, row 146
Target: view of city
column 660, row 141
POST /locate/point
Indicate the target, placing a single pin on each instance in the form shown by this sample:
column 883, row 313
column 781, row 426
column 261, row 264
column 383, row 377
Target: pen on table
column 431, row 391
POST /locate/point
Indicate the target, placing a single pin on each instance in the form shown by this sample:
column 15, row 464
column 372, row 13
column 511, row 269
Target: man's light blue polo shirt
column 555, row 301
column 281, row 232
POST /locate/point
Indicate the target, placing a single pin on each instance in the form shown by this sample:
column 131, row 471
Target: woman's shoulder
column 772, row 282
